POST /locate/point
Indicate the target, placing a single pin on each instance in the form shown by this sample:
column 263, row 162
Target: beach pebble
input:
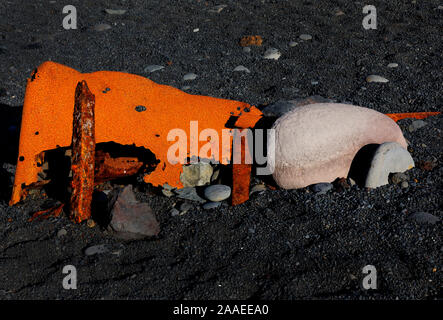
column 257, row 188
column 174, row 212
column 272, row 53
column 131, row 218
column 305, row 37
column 416, row 124
column 217, row 192
column 196, row 174
column 389, row 157
column 115, row 11
column 292, row 44
column 153, row 68
column 404, row 184
column 97, row 249
column 241, row 69
column 189, row 193
column 423, row 217
column 62, row 233
column 317, row 142
column 246, row 49
column 217, row 9
column 211, row 205
column 399, row 177
column 376, row 78
column 321, row 188
column 189, row 76
column 393, row 65
column 102, row 27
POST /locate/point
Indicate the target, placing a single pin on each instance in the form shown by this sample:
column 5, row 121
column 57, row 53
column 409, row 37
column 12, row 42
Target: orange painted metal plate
column 48, row 114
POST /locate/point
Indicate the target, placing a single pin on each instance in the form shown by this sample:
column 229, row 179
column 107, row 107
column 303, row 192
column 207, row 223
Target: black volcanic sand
column 282, row 244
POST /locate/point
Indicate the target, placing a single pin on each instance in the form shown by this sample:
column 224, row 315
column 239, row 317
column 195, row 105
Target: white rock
column 242, row 69
column 189, row 76
column 317, row 142
column 376, row 78
column 272, row 53
column 196, row 174
column 112, row 11
column 102, row 27
column 390, row 157
column 196, row 30
column 393, row 65
column 153, row 68
column 305, row 37
column 217, row 192
column 293, row 44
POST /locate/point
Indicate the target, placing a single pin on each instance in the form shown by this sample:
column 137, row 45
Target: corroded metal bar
column 83, row 153
column 241, row 172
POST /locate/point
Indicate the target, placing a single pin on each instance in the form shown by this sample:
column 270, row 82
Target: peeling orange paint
column 129, row 110
column 414, row 115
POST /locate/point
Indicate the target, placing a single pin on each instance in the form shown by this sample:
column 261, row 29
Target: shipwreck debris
column 48, row 109
column 83, row 153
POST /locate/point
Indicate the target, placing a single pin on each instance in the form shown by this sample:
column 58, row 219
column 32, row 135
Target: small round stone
column 246, row 49
column 62, row 233
column 393, row 65
column 376, row 78
column 404, row 184
column 152, row 68
column 189, row 76
column 101, row 27
column 217, row 192
column 305, row 37
column 241, row 69
column 272, row 53
column 292, row 44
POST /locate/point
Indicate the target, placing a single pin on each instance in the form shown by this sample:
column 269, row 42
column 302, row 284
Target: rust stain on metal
column 53, row 212
column 108, row 168
column 241, row 172
column 83, row 153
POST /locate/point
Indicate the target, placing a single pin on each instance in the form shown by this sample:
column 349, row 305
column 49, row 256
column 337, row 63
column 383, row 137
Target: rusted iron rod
column 83, row 153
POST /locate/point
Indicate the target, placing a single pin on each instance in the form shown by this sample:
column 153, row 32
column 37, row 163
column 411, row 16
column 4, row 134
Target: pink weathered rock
column 317, row 142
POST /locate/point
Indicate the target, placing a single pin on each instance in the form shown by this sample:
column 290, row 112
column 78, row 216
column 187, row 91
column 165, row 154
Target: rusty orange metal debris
column 414, row 115
column 52, row 212
column 129, row 110
column 241, row 172
column 247, row 41
column 108, row 168
column 83, row 153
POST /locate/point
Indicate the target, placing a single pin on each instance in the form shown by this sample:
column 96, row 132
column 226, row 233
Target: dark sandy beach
column 281, row 244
